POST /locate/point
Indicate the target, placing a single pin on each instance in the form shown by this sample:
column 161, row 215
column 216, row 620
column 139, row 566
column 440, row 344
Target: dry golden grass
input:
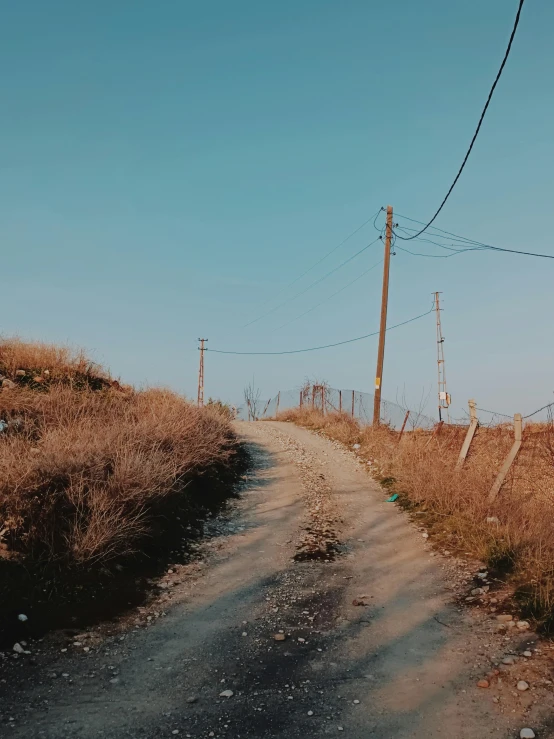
column 82, row 470
column 422, row 469
column 49, row 362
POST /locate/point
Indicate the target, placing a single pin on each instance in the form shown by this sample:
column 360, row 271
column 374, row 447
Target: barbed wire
column 548, row 405
column 494, row 413
column 506, row 415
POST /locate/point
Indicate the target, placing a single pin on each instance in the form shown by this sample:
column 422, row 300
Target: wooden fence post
column 301, row 399
column 277, row 406
column 404, row 425
column 266, row 407
column 509, row 459
column 340, row 401
column 473, row 423
column 353, row 403
column 323, row 399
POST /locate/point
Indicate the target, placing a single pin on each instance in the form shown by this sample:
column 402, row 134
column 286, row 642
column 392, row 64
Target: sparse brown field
column 453, row 503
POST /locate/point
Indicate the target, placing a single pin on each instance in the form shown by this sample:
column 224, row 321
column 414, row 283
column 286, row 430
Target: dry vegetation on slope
column 85, row 464
column 518, row 538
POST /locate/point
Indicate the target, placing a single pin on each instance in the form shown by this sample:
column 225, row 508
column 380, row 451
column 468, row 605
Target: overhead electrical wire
column 326, row 346
column 333, row 250
column 313, row 284
column 357, row 230
column 453, row 246
column 453, row 251
column 481, row 119
column 359, row 277
column 477, row 245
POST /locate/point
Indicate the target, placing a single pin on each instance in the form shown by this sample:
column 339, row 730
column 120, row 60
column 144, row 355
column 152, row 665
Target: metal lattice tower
column 444, row 397
column 201, row 374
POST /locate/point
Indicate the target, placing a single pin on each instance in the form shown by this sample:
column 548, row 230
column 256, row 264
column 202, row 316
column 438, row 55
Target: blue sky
column 168, row 168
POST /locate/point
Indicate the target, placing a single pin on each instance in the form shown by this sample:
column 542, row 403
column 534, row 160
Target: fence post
column 404, row 425
column 512, row 454
column 277, row 406
column 301, row 399
column 323, row 399
column 266, row 407
column 340, row 401
column 473, row 423
column 353, row 391
column 313, row 397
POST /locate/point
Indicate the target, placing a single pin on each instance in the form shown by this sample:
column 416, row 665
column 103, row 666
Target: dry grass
column 46, row 364
column 83, row 471
column 421, row 468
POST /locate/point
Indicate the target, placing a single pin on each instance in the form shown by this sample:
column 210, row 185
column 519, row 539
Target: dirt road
column 403, row 662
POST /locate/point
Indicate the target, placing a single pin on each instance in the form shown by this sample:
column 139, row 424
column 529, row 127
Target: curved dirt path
column 402, row 663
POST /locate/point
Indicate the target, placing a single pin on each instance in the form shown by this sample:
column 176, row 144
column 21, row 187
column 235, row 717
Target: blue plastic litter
column 392, row 498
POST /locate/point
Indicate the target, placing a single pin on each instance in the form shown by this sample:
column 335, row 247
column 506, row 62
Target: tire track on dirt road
column 399, row 664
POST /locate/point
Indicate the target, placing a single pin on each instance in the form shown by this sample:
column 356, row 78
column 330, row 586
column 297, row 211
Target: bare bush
column 252, row 397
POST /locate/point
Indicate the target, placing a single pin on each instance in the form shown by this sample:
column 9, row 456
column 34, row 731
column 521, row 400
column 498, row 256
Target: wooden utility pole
column 201, row 374
column 383, row 326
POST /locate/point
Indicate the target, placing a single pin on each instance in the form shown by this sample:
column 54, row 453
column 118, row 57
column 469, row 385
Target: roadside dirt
column 371, row 639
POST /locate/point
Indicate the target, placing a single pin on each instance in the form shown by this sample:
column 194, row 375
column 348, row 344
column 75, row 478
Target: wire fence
column 354, row 403
column 359, row 405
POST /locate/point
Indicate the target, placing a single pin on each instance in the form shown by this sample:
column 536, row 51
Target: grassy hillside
column 86, row 465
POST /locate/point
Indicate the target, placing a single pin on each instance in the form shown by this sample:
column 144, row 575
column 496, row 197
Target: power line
column 436, row 228
column 451, row 248
column 431, row 256
column 359, row 277
column 333, row 250
column 313, row 284
column 476, row 245
column 481, row 119
column 326, row 346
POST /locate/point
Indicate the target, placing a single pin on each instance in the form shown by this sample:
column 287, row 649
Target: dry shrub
column 82, row 472
column 519, row 541
column 49, row 362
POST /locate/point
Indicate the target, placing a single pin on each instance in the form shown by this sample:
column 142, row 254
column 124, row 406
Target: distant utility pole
column 383, row 326
column 444, row 397
column 201, row 374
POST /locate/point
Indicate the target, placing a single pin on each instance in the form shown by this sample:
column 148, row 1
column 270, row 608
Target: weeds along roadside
column 96, row 477
column 514, row 536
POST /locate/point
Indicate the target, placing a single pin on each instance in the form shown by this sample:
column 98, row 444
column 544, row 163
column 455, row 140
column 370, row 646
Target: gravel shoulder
column 371, row 640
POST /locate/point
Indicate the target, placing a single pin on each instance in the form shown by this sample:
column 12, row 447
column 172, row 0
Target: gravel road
column 319, row 610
